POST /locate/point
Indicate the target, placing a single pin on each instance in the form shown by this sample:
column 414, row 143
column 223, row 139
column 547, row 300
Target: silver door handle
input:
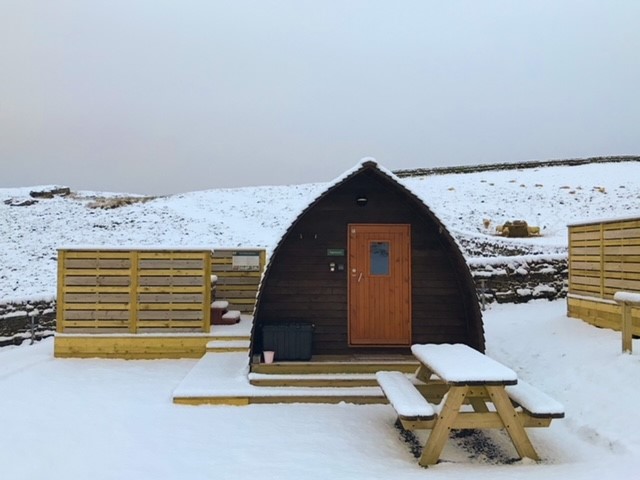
column 359, row 277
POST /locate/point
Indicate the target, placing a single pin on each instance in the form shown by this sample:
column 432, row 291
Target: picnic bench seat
column 404, row 397
column 533, row 401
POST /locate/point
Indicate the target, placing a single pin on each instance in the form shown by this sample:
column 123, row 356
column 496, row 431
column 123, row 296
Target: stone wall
column 520, row 279
column 495, row 167
column 16, row 320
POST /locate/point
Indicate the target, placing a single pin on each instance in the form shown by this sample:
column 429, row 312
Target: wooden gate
column 379, row 285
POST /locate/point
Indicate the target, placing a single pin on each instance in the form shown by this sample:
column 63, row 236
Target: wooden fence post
column 206, row 294
column 626, row 300
column 60, row 300
column 627, row 344
column 134, row 279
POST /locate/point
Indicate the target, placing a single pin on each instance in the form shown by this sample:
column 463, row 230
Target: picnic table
column 478, row 393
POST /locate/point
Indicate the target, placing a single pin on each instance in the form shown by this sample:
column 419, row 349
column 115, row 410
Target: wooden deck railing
column 627, row 300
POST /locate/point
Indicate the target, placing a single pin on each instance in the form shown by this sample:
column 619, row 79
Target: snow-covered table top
column 458, row 364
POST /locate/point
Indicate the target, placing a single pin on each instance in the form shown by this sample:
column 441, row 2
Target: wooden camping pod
column 332, row 263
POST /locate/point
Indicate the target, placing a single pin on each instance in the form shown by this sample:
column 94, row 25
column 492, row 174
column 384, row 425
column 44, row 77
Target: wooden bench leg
column 442, row 427
column 509, row 418
column 423, row 373
column 478, row 405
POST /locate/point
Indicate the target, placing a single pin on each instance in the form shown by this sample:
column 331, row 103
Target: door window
column 379, row 258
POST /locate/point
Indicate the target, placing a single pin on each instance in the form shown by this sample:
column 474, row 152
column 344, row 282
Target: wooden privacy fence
column 133, row 291
column 604, row 258
column 136, row 291
column 239, row 272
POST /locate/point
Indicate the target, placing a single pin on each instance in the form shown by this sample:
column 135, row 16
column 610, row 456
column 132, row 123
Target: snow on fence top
column 592, row 221
column 144, row 248
column 479, row 261
column 627, row 297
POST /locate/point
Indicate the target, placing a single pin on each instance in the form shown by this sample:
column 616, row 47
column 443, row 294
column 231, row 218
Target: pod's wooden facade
column 373, row 269
column 604, row 258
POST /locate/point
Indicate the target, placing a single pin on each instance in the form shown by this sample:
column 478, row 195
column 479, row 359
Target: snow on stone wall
column 16, row 320
column 520, row 279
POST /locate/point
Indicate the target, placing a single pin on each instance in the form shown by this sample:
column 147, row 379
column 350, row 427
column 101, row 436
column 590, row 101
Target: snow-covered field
column 256, row 217
column 112, row 419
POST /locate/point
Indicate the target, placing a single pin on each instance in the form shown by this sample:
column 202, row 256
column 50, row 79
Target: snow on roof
column 317, row 193
column 364, row 162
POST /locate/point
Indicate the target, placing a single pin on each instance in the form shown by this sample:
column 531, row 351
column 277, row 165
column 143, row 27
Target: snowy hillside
column 548, row 197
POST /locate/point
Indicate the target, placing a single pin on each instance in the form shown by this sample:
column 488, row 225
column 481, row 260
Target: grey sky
column 165, row 96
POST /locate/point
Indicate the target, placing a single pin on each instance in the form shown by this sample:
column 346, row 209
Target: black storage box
column 289, row 341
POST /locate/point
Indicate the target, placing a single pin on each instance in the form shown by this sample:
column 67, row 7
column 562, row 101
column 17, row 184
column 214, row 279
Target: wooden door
column 379, row 285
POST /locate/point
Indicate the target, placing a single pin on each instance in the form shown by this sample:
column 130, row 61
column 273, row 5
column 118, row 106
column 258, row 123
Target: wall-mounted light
column 361, row 200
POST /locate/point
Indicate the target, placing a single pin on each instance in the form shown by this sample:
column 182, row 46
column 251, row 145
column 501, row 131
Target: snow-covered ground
column 113, row 419
column 548, row 197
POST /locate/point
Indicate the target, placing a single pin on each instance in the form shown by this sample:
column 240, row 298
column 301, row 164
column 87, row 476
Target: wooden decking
column 156, row 345
column 221, row 378
column 224, row 375
column 131, row 347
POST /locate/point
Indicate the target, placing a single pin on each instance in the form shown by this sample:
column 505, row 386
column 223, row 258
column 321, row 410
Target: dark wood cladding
column 299, row 287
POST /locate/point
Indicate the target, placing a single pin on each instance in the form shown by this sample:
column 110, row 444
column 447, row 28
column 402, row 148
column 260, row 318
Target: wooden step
column 217, row 379
column 329, row 367
column 230, row 344
column 344, row 398
column 314, row 380
column 372, row 399
column 231, row 317
column 327, row 373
